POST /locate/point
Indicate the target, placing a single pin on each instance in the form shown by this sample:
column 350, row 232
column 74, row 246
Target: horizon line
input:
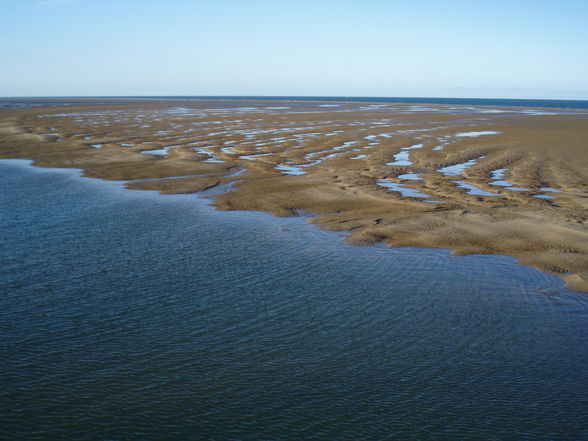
column 344, row 97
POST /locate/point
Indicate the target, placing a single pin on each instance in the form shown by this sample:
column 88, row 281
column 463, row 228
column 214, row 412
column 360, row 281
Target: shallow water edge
column 203, row 199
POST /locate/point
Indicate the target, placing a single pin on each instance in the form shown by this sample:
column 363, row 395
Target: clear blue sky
column 492, row 48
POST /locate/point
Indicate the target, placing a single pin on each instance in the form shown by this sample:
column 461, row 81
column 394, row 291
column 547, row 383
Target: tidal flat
column 329, row 160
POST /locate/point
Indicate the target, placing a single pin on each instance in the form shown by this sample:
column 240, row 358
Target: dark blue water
column 57, row 101
column 133, row 316
column 570, row 104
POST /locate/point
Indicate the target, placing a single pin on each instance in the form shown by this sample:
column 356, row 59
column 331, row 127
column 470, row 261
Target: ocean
column 127, row 315
column 60, row 101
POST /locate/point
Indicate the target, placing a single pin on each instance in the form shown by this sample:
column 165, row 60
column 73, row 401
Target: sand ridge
column 487, row 179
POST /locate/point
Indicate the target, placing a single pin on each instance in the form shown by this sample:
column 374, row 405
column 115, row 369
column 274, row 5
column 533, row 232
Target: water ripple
column 128, row 315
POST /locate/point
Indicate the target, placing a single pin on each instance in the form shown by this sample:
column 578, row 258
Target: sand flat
column 345, row 150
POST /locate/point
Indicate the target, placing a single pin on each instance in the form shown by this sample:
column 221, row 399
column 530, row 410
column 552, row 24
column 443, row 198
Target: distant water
column 570, row 104
column 133, row 316
column 558, row 104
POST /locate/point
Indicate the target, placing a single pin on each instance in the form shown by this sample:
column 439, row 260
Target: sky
column 451, row 48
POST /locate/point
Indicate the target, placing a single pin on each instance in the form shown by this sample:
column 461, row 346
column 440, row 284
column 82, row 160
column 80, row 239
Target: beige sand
column 207, row 139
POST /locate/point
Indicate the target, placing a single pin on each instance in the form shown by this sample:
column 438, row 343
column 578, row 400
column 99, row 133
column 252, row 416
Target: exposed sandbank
column 331, row 162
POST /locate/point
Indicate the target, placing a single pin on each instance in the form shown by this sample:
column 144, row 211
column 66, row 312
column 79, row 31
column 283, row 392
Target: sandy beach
column 473, row 179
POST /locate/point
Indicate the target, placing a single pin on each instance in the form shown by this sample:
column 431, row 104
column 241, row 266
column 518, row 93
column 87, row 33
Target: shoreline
column 542, row 229
column 119, row 189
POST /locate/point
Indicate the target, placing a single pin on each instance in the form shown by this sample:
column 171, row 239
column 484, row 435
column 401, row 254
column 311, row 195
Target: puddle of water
column 537, row 112
column 421, row 109
column 512, row 188
column 371, row 137
column 472, row 189
column 228, row 150
column 490, row 111
column 290, row 170
column 550, row 190
column 457, row 169
column 332, row 155
column 508, row 186
column 373, row 107
column 498, row 174
column 404, row 191
column 476, row 134
column 547, row 190
column 334, row 149
column 410, row 176
column 211, row 156
column 97, row 146
column 160, row 152
column 127, row 145
column 254, row 157
column 403, row 158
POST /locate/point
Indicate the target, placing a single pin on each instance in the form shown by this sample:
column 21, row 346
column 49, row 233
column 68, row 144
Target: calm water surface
column 68, row 101
column 133, row 316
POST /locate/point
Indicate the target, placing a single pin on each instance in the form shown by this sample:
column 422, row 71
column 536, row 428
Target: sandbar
column 329, row 160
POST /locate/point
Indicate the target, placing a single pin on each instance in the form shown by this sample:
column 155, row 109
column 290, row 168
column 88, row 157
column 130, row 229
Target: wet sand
column 474, row 179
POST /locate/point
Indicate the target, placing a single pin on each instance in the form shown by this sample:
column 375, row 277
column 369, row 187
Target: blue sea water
column 570, row 104
column 60, row 101
column 133, row 316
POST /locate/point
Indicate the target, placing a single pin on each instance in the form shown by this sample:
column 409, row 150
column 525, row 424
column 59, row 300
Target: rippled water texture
column 133, row 316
